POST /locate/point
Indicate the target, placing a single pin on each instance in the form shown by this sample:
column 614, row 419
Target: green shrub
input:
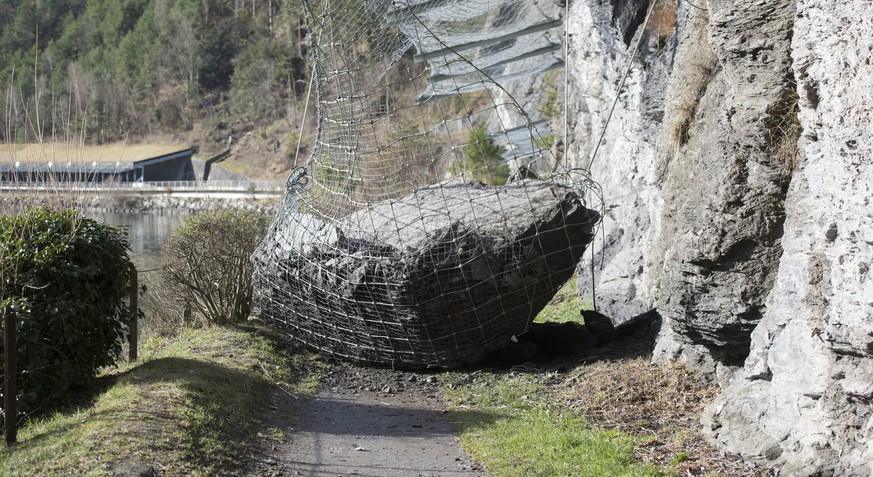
column 484, row 158
column 206, row 261
column 67, row 279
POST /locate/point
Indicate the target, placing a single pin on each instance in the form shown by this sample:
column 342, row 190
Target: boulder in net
column 409, row 237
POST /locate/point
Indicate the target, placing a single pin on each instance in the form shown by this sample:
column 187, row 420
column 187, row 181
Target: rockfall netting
column 462, row 40
column 411, row 237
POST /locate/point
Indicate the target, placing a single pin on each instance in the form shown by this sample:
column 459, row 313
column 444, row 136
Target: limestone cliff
column 693, row 191
column 805, row 395
column 625, row 161
column 755, row 253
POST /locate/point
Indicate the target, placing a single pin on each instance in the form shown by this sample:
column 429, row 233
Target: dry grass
column 636, row 395
column 77, row 153
column 662, row 23
column 678, row 129
column 689, row 82
column 784, row 130
column 661, row 405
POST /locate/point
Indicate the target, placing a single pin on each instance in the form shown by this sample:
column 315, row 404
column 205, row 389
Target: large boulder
column 438, row 278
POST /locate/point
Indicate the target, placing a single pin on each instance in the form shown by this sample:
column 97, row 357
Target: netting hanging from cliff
column 410, row 237
column 462, row 40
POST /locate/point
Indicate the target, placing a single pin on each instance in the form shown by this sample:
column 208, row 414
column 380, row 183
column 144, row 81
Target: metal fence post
column 10, row 384
column 133, row 314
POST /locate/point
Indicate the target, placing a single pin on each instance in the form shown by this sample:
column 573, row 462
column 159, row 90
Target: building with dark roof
column 175, row 166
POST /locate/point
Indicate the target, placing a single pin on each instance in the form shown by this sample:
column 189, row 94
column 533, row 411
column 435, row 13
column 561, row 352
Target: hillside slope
column 205, row 73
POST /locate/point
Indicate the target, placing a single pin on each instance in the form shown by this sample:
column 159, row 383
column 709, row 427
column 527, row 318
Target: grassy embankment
column 191, row 407
column 621, row 417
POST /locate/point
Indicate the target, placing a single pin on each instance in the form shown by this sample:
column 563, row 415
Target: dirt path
column 371, row 423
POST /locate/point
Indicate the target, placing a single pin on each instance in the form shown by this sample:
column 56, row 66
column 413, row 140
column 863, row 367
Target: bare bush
column 206, row 262
column 164, row 309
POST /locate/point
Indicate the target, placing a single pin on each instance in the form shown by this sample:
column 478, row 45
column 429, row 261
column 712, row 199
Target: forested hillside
column 128, row 70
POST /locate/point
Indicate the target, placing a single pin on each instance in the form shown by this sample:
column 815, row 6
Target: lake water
column 147, row 234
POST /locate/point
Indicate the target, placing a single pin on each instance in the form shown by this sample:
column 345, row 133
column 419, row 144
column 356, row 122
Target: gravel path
column 372, row 423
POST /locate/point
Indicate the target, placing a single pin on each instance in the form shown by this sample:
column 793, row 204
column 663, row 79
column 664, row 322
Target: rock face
column 626, row 159
column 756, row 256
column 723, row 189
column 692, row 193
column 804, row 398
column 439, row 278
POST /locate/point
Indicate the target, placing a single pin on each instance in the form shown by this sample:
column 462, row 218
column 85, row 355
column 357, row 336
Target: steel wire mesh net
column 410, row 237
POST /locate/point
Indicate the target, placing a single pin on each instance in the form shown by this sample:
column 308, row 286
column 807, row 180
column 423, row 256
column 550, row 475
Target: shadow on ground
column 563, row 346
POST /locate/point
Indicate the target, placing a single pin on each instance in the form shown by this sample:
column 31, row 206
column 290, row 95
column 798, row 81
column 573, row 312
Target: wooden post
column 133, row 314
column 10, row 384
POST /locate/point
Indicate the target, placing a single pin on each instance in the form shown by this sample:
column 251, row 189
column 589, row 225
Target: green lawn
column 565, row 306
column 192, row 407
column 507, row 422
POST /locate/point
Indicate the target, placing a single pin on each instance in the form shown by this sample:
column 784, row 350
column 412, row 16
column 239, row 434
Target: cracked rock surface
column 804, row 398
column 759, row 262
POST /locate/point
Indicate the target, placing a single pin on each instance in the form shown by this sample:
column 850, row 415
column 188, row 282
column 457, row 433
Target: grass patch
column 565, row 306
column 192, row 407
column 619, row 417
column 507, row 422
column 659, row 404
